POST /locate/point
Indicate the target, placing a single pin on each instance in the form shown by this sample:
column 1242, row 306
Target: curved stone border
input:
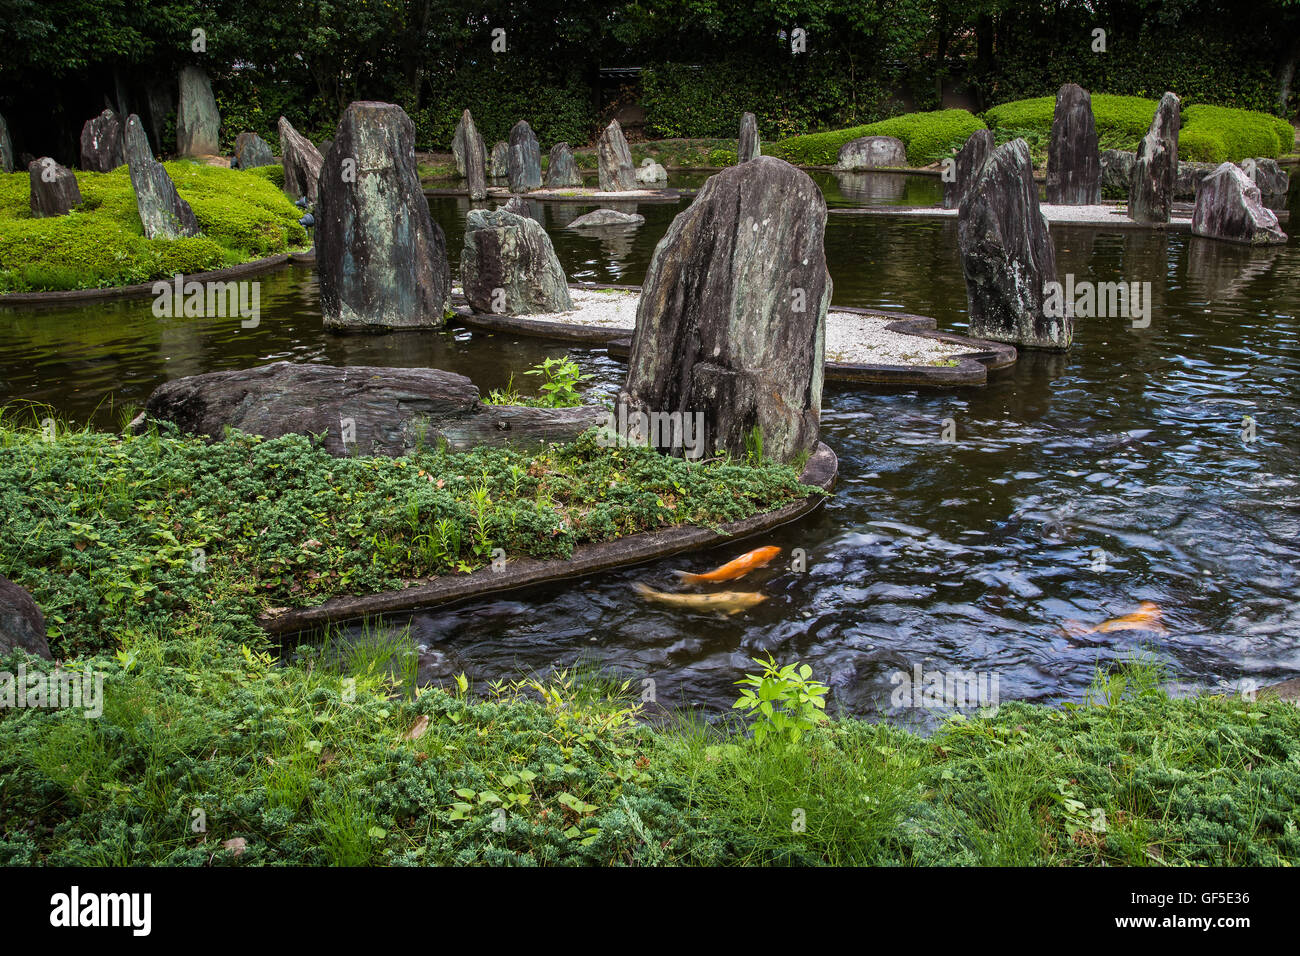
column 587, row 559
column 972, row 367
column 500, row 195
column 73, row 296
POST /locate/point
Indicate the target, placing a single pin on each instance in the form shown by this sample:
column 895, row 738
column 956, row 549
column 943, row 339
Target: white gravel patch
column 851, row 338
column 1102, row 214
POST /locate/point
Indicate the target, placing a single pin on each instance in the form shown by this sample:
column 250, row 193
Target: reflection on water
column 1079, row 484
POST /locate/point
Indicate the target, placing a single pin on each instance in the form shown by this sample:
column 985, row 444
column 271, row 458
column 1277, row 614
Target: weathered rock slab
column 1073, row 162
column 499, row 166
column 614, row 161
column 1228, row 206
column 22, row 625
column 968, row 161
column 561, row 169
column 650, row 173
column 197, row 119
column 163, row 213
column 525, row 159
column 732, row 318
column 251, row 151
column 606, row 217
column 54, row 190
column 1155, row 170
column 509, row 267
column 6, row 148
column 380, row 257
column 872, row 152
column 102, row 148
column 301, row 161
column 1117, row 173
column 360, row 410
column 748, row 146
column 471, row 156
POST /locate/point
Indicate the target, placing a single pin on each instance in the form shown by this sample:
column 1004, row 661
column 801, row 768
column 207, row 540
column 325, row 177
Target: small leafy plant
column 785, row 700
column 560, row 388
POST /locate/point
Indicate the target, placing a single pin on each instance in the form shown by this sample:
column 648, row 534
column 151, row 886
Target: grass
column 242, row 215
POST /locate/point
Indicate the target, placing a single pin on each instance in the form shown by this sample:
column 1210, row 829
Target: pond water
column 1077, row 486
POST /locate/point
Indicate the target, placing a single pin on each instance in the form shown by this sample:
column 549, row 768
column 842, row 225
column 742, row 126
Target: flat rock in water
column 872, row 152
column 1007, row 254
column 1073, row 162
column 22, row 625
column 6, row 148
column 163, row 213
column 606, row 217
column 614, row 161
column 361, row 410
column 525, row 165
column 509, row 267
column 1117, row 173
column 561, row 170
column 301, row 161
column 650, row 173
column 499, row 166
column 471, row 156
column 1228, row 206
column 1155, row 171
column 54, row 190
column 251, row 151
column 748, row 146
column 969, row 160
column 380, row 257
column 731, row 322
column 197, row 119
column 102, row 148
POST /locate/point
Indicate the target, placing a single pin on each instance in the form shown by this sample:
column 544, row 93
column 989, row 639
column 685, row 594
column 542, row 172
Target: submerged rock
column 22, row 625
column 525, row 167
column 301, row 162
column 561, row 170
column 54, row 190
column 1228, row 206
column 650, row 173
column 969, row 160
column 102, row 147
column 499, row 167
column 509, row 267
column 606, row 217
column 1155, row 171
column 748, row 147
column 471, row 156
column 251, row 151
column 732, row 318
column 197, row 119
column 360, row 410
column 163, row 213
column 1073, row 163
column 614, row 161
column 871, row 152
column 1007, row 254
column 381, row 259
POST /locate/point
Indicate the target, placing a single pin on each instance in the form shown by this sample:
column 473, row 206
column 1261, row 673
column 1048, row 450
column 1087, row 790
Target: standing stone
column 1155, row 171
column 472, row 158
column 163, row 213
column 301, row 162
column 381, row 259
column 197, row 119
column 1117, row 173
column 102, row 150
column 508, row 266
column 749, row 147
column 732, row 317
column 614, row 159
column 523, row 207
column 525, row 166
column 1273, row 183
column 968, row 162
column 872, row 152
column 6, row 148
column 251, row 151
column 499, row 167
column 22, row 625
column 1229, row 206
column 561, row 170
column 650, row 173
column 1008, row 256
column 54, row 189
column 1073, row 162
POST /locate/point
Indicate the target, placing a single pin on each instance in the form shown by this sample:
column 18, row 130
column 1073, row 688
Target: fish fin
column 643, row 589
column 687, row 577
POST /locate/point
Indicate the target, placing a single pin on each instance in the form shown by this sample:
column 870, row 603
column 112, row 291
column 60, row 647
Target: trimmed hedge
column 102, row 243
column 929, row 137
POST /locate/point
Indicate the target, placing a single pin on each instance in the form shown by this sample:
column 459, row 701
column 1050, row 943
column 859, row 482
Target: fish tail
column 689, row 578
column 644, row 590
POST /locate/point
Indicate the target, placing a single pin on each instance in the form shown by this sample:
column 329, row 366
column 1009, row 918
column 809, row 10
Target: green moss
column 928, row 137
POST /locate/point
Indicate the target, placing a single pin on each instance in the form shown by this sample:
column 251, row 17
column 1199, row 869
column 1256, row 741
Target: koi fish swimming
column 733, row 569
column 1146, row 618
column 722, row 602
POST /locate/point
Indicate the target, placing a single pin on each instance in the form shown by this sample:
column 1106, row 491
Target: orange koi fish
column 733, row 569
column 1146, row 618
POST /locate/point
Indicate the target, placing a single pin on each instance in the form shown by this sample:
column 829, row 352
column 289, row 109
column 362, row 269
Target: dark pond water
column 1077, row 486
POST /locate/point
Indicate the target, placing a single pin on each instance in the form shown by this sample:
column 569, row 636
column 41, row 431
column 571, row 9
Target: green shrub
column 721, row 156
column 928, row 137
column 273, row 174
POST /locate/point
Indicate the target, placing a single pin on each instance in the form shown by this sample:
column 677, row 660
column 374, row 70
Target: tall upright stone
column 614, row 161
column 471, row 156
column 561, row 170
column 732, row 318
column 1007, row 255
column 508, row 266
column 381, row 259
column 1073, row 161
column 499, row 165
column 1155, row 171
column 163, row 213
column 251, row 151
column 525, row 165
column 1229, row 206
column 968, row 161
column 102, row 149
column 54, row 190
column 197, row 119
column 301, row 161
column 6, row 148
column 749, row 147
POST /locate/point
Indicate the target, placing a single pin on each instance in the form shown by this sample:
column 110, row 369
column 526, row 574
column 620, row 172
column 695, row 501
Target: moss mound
column 928, row 137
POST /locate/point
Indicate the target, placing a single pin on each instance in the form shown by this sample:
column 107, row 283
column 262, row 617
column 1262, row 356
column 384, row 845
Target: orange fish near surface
column 733, row 569
column 1145, row 618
